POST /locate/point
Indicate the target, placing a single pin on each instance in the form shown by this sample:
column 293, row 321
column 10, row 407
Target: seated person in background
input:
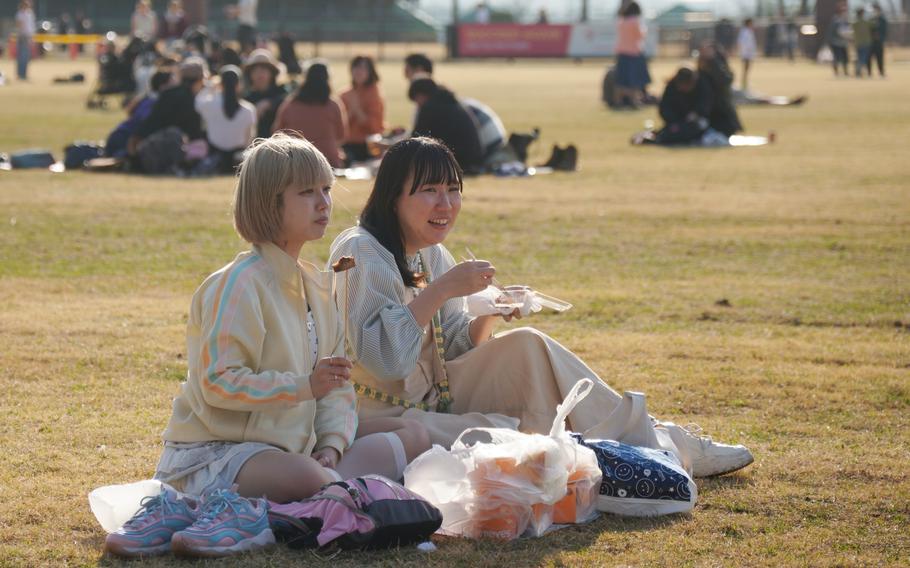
column 230, row 123
column 712, row 65
column 364, row 107
column 176, row 106
column 261, row 72
column 440, row 115
column 417, row 66
column 117, row 140
column 490, row 129
column 314, row 114
column 684, row 107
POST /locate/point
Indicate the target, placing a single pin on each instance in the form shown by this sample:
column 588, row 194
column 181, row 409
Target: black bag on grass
column 76, row 154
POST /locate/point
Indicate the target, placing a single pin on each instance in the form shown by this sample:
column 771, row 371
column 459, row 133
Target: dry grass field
column 807, row 240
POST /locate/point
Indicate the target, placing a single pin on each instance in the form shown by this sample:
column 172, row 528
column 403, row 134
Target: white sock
column 381, row 453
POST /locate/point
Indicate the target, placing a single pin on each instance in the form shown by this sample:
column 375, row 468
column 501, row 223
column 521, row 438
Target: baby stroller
column 116, row 75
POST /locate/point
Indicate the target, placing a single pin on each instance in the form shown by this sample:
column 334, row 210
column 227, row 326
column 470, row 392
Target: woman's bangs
column 435, row 165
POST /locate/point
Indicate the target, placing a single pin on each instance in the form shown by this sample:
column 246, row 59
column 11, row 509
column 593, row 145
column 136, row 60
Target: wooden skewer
column 344, row 264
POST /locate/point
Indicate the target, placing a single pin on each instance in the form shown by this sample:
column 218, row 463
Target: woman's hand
column 330, row 373
column 327, row 457
column 466, row 278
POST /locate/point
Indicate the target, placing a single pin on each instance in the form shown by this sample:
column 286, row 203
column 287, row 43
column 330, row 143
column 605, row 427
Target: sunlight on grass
column 761, row 292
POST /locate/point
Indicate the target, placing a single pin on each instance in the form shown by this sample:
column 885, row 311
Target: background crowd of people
column 868, row 36
column 218, row 115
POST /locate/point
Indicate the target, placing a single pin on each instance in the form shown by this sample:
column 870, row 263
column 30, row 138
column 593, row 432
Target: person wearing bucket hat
column 261, row 72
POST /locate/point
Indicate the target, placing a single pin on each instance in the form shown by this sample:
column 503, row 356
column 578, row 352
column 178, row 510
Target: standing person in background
column 862, row 41
column 879, row 35
column 747, row 46
column 245, row 11
column 838, row 34
column 713, row 67
column 230, row 122
column 144, row 23
column 792, row 35
column 261, row 72
column 482, row 13
column 631, row 67
column 25, row 30
column 173, row 22
column 364, row 107
column 312, row 113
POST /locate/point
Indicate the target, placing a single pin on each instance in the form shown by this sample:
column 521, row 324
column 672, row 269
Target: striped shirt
column 250, row 358
column 382, row 330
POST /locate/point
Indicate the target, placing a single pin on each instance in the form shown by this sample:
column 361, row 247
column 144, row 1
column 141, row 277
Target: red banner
column 513, row 40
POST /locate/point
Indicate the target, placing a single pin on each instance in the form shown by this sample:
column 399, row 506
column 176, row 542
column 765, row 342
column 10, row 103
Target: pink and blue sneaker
column 228, row 524
column 150, row 530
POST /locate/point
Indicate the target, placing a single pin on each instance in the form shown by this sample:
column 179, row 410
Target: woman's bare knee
column 281, row 476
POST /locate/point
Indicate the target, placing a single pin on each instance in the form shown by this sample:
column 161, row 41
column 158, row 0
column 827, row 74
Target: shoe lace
column 217, row 503
column 149, row 506
column 695, row 431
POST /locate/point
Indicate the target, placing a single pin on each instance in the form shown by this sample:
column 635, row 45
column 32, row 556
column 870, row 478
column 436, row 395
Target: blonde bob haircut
column 270, row 166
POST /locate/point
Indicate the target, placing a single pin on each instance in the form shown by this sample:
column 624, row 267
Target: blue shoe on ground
column 150, row 530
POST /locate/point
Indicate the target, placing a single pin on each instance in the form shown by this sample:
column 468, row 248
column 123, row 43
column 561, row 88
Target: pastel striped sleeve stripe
column 217, row 377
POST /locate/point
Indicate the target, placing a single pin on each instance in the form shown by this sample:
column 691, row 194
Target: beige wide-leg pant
column 521, row 374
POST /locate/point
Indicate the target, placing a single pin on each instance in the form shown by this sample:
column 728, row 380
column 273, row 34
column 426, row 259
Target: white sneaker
column 704, row 457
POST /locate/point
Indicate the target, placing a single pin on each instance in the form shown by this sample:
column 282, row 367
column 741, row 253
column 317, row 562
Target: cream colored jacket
column 250, row 359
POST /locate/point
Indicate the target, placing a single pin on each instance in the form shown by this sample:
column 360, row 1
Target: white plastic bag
column 580, row 502
column 113, row 505
column 500, row 483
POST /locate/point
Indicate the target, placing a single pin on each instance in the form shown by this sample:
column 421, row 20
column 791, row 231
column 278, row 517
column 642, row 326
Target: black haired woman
column 418, row 352
column 311, row 112
column 230, row 121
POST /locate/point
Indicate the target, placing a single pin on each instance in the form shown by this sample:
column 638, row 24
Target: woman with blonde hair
column 267, row 408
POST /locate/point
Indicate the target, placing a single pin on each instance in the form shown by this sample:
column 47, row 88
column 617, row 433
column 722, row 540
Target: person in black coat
column 712, row 65
column 440, row 115
column 685, row 107
column 176, row 106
